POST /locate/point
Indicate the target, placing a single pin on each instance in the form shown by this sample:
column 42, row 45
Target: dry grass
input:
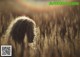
column 58, row 34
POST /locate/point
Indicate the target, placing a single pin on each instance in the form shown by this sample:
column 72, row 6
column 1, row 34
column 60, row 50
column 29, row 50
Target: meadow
column 58, row 33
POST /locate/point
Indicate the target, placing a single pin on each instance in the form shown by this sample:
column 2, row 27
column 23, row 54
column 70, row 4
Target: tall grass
column 58, row 34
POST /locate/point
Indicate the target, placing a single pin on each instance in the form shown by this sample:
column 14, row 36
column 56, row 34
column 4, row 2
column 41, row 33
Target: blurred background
column 59, row 27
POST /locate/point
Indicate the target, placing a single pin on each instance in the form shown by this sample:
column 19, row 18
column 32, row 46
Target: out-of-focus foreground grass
column 58, row 34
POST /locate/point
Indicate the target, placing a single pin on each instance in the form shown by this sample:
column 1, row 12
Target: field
column 58, row 33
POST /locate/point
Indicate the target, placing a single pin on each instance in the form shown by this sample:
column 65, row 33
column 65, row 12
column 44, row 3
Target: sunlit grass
column 58, row 35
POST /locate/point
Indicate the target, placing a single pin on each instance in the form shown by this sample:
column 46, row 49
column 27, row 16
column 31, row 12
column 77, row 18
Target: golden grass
column 58, row 35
